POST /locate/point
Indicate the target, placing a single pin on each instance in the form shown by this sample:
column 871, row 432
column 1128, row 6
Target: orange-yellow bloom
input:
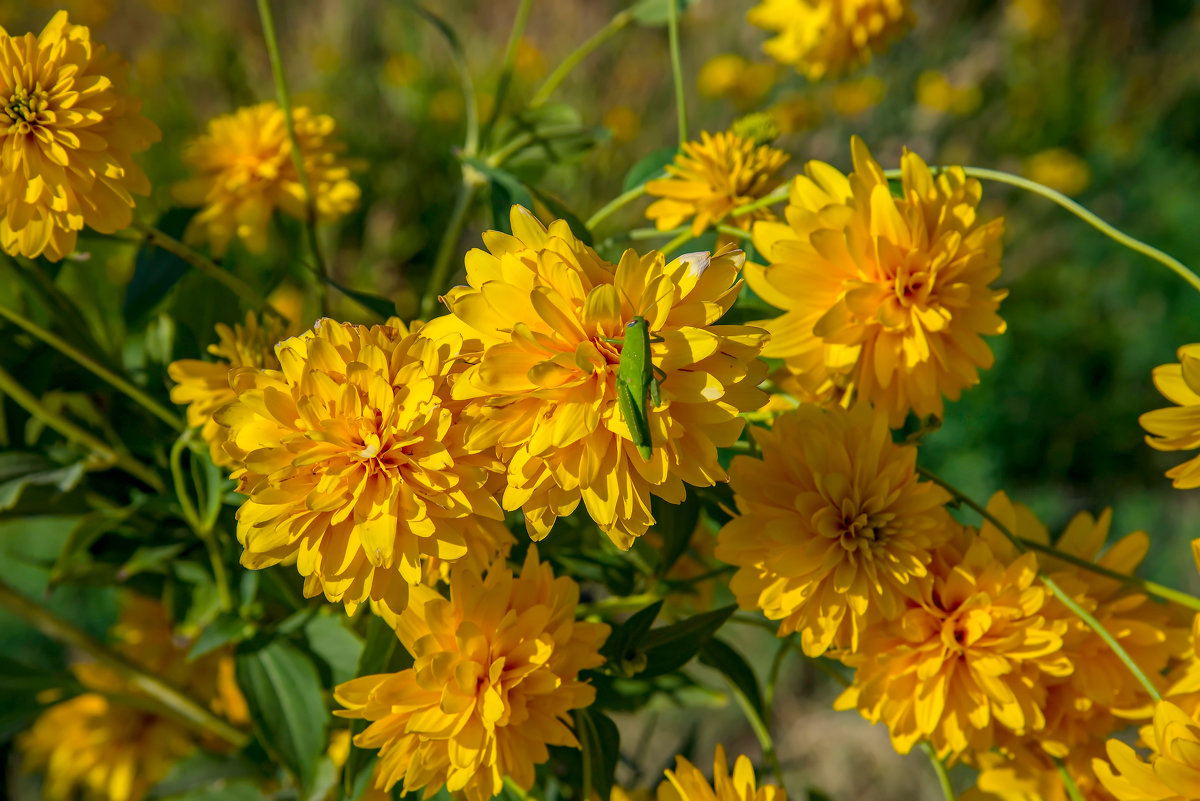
column 68, row 129
column 825, row 38
column 687, row 782
column 833, row 529
column 1178, row 428
column 1172, row 770
column 551, row 315
column 494, row 680
column 352, row 459
column 885, row 298
column 204, row 386
column 244, row 171
column 711, row 178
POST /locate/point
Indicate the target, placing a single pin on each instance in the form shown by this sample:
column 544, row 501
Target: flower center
column 859, row 530
column 24, row 106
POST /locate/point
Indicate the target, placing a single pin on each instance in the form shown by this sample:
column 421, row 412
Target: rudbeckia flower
column 1178, row 428
column 687, row 782
column 1171, row 772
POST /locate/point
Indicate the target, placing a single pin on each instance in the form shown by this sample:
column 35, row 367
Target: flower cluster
column 1178, row 428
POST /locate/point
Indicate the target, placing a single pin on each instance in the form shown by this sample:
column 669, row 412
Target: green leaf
column 507, row 191
column 381, row 653
column 373, row 303
column 649, row 167
column 599, row 737
column 202, row 773
column 224, row 630
column 155, row 271
column 283, row 693
column 656, row 12
column 560, row 210
column 675, row 524
column 622, row 649
column 721, row 656
column 339, row 647
column 150, row 558
column 20, row 470
column 671, row 647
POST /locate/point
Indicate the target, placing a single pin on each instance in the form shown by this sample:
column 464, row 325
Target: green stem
column 677, row 68
column 581, row 721
column 773, row 678
column 441, row 265
column 201, row 529
column 506, row 71
column 1148, row 587
column 939, row 768
column 778, row 196
column 93, row 366
column 1069, row 782
column 674, row 244
column 107, row 455
column 518, row 143
column 614, row 205
column 171, row 701
column 471, row 143
column 614, row 26
column 759, row 727
column 622, row 603
column 285, row 103
column 654, row 233
column 817, row 662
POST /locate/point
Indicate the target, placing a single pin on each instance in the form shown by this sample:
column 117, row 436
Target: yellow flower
column 1059, row 169
column 1172, row 770
column 1178, row 429
column 825, row 38
column 547, row 308
column 687, row 783
column 833, row 530
column 853, row 97
column 493, row 682
column 1024, row 778
column 353, row 461
column 885, row 298
column 936, row 93
column 967, row 662
column 204, row 386
column 711, row 178
column 67, row 134
column 244, row 171
column 94, row 748
column 730, row 75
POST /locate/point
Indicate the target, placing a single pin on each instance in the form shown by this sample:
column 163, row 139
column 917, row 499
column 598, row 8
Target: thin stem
column 518, row 143
column 506, row 70
column 471, row 142
column 614, row 205
column 1069, row 782
column 106, row 454
column 285, row 103
column 512, row 787
column 614, row 26
column 93, row 366
column 616, row 604
column 816, row 661
column 202, row 529
column 939, row 768
column 677, row 67
column 449, row 243
column 582, row 720
column 680, row 232
column 759, row 727
column 1148, row 587
column 172, row 701
column 674, row 244
column 778, row 196
column 773, row 678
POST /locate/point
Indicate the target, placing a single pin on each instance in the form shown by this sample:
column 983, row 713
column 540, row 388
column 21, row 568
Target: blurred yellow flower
column 1178, row 428
column 885, row 298
column 204, row 386
column 1040, row 18
column 1172, row 770
column 853, row 97
column 91, row 747
column 353, row 462
column 493, row 682
column 711, row 178
column 1020, row 778
column 687, row 782
column 547, row 310
column 825, row 38
column 402, row 69
column 833, row 531
column 936, row 93
column 796, row 113
column 731, row 76
column 624, row 123
column 967, row 662
column 1059, row 169
column 68, row 130
column 244, row 172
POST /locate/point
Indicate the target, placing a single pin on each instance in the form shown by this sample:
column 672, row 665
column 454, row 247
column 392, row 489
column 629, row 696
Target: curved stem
column 471, row 142
column 88, row 363
column 506, row 70
column 447, row 247
column 614, row 26
column 285, row 103
column 105, row 453
column 517, row 143
column 773, row 678
column 759, row 726
column 1068, row 781
column 778, row 196
column 201, row 529
column 170, row 700
column 939, row 768
column 615, row 204
column 677, row 68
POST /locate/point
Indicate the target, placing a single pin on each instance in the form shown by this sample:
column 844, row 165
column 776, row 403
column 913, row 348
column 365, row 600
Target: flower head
column 551, row 317
column 825, row 38
column 244, row 171
column 1172, row 770
column 494, row 680
column 92, row 747
column 687, row 782
column 68, row 129
column 204, row 386
column 1178, row 428
column 712, row 177
column 966, row 662
column 353, row 461
column 885, row 298
column 833, row 529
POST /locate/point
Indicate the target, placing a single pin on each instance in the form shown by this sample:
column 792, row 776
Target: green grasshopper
column 637, row 381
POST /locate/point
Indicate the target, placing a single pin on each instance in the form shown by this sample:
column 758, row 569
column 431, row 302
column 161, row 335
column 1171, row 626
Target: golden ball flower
column 547, row 310
column 353, row 461
column 244, row 171
column 1178, row 428
column 494, row 678
column 687, row 782
column 68, row 129
column 833, row 531
column 712, row 177
column 1171, row 772
column 971, row 659
column 885, row 299
column 204, row 386
column 1023, row 775
column 826, row 38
